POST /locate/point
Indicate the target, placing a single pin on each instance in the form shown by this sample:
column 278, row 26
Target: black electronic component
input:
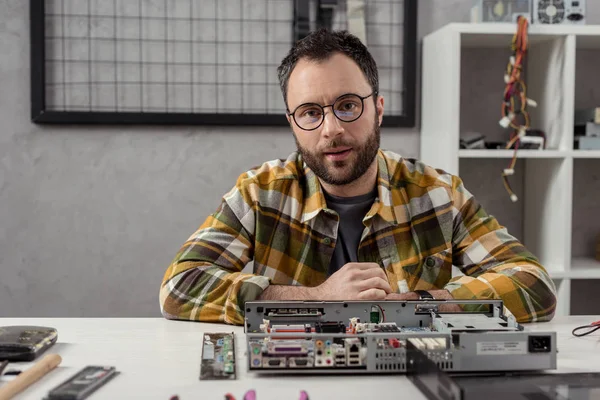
column 296, row 312
column 83, row 383
column 330, row 327
column 25, row 343
column 218, row 356
column 301, row 19
column 325, row 13
column 540, row 344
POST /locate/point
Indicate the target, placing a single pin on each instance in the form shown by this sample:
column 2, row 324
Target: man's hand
column 355, row 281
column 437, row 294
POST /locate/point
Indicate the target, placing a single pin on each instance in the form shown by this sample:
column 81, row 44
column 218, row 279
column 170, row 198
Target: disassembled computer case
column 571, row 12
column 324, row 337
column 500, row 10
column 568, row 12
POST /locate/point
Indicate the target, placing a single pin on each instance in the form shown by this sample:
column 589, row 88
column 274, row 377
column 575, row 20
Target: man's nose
column 331, row 125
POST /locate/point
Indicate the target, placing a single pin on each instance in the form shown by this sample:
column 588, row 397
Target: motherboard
column 377, row 337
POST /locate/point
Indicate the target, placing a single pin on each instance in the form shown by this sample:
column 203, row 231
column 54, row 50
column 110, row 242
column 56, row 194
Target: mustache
column 336, row 143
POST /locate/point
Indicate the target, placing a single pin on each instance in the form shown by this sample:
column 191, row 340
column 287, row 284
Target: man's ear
column 379, row 106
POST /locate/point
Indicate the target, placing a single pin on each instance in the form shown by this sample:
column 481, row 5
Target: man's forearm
column 283, row 292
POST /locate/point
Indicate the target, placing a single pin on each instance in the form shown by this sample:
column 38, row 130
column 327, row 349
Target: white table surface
column 159, row 358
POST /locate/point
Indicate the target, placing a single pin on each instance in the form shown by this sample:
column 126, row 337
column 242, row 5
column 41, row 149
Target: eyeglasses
column 346, row 108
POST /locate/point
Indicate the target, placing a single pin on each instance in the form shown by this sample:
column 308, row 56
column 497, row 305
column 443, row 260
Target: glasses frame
column 362, row 101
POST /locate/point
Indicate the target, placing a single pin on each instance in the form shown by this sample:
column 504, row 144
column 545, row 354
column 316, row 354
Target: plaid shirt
column 422, row 222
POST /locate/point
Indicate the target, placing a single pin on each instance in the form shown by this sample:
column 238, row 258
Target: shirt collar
column 314, row 199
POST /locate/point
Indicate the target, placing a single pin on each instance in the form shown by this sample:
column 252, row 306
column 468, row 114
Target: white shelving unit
column 548, row 174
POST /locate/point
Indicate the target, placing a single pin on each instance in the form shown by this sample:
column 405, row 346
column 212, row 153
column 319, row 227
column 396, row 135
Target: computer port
column 575, row 17
column 540, row 344
column 330, row 327
column 324, row 361
column 288, row 349
column 274, row 362
column 300, row 362
column 295, row 312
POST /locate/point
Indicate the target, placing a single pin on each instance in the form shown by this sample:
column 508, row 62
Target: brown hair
column 322, row 44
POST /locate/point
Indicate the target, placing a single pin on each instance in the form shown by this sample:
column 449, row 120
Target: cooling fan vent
column 551, row 11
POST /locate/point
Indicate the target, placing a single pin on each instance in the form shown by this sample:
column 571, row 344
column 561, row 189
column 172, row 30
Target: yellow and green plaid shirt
column 422, row 222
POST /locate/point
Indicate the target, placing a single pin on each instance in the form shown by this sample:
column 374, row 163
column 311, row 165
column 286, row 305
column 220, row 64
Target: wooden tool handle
column 30, row 376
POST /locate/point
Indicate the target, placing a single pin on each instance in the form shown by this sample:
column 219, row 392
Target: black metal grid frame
column 41, row 115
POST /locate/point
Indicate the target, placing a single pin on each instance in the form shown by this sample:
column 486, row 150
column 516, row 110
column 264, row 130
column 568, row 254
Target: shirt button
column 430, row 262
column 326, row 240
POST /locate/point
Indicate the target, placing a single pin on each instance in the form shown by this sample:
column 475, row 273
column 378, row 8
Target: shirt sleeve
column 205, row 282
column 495, row 264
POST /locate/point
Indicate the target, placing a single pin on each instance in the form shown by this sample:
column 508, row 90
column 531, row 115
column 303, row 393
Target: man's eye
column 348, row 106
column 312, row 113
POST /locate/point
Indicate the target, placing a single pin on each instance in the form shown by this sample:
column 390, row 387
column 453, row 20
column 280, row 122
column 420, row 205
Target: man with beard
column 341, row 219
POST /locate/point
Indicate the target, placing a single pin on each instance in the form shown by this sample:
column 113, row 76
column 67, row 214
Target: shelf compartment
column 584, row 268
column 586, row 153
column 586, row 209
column 493, row 153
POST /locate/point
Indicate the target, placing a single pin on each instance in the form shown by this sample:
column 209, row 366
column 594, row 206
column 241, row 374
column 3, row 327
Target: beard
column 340, row 173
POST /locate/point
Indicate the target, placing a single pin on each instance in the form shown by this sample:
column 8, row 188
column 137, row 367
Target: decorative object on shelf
column 587, row 129
column 472, row 140
column 515, row 101
column 559, row 12
column 500, row 10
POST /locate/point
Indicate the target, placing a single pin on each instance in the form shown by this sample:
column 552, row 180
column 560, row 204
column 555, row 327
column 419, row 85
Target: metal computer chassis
column 308, row 337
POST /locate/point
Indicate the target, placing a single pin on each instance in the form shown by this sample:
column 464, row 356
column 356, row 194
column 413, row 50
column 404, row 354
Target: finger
column 372, row 294
column 375, row 283
column 372, row 273
column 402, row 296
column 362, row 266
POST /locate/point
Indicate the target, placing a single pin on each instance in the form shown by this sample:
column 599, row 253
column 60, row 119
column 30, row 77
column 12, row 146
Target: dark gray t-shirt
column 351, row 210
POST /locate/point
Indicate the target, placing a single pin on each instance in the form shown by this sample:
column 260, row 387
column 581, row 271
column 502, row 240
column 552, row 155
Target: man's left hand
column 437, row 294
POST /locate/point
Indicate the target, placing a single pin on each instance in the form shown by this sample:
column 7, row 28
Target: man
column 341, row 219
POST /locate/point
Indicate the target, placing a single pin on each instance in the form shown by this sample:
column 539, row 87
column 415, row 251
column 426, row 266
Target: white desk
column 160, row 358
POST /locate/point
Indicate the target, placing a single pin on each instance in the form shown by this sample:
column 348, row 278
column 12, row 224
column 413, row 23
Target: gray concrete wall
column 90, row 217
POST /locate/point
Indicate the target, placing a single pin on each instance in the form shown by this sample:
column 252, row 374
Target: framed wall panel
column 195, row 62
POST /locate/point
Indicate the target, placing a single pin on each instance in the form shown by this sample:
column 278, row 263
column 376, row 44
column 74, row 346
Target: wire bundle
column 590, row 328
column 515, row 101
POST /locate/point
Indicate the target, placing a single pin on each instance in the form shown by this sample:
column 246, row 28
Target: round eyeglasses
column 346, row 108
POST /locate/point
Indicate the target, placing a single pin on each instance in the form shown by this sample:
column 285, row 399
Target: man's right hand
column 355, row 281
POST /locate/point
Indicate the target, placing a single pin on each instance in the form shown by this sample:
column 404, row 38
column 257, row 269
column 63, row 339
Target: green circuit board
column 218, row 356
